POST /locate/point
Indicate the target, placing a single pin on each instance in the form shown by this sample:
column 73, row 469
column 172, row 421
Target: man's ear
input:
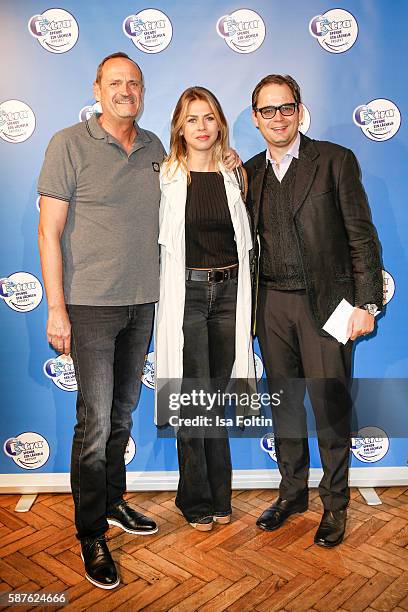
column 301, row 113
column 97, row 91
column 255, row 119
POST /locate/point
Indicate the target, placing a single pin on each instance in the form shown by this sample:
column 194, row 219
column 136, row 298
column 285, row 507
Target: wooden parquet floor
column 235, row 567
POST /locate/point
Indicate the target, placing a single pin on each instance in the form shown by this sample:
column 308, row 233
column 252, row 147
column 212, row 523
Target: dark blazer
column 338, row 243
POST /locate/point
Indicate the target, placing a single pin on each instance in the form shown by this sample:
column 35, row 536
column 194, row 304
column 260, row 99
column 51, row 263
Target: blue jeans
column 109, row 344
column 208, row 356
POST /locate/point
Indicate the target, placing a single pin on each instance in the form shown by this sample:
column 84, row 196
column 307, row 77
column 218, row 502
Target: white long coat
column 170, row 313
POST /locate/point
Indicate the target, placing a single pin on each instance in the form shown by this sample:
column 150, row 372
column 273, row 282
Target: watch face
column 372, row 308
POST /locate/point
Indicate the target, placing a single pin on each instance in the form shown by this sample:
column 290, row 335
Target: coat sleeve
column 164, row 221
column 254, row 254
column 249, row 200
column 365, row 248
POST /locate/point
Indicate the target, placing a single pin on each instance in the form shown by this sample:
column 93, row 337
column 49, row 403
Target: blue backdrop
column 350, row 64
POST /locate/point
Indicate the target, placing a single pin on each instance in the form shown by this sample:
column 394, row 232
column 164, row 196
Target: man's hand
column 360, row 323
column 231, row 160
column 59, row 329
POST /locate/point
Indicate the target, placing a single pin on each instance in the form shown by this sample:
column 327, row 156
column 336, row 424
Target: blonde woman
column 204, row 315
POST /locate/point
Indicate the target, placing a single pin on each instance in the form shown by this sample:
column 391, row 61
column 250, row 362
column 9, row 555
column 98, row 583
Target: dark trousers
column 109, row 344
column 208, row 356
column 296, row 357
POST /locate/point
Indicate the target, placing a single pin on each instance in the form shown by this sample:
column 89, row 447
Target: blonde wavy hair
column 177, row 156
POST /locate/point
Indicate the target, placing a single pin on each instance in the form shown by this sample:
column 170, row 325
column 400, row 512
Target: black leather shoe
column 99, row 566
column 331, row 529
column 274, row 516
column 123, row 516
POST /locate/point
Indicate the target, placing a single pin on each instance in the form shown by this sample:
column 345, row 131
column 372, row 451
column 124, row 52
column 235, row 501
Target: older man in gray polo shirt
column 98, row 243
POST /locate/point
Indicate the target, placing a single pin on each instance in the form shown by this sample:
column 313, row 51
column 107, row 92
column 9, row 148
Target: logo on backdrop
column 28, row 450
column 86, row 112
column 17, row 121
column 268, row 445
column 336, row 30
column 370, row 445
column 21, row 291
column 61, row 371
column 130, row 450
column 379, row 120
column 55, row 29
column 259, row 367
column 148, row 371
column 305, row 125
column 150, row 30
column 388, row 287
column 243, row 30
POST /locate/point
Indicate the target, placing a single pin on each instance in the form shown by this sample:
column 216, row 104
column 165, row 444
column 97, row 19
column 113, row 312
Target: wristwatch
column 372, row 309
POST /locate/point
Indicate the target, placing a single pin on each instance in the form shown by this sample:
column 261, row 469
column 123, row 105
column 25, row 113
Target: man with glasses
column 317, row 245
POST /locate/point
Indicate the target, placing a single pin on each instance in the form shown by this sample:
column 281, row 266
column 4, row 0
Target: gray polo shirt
column 109, row 244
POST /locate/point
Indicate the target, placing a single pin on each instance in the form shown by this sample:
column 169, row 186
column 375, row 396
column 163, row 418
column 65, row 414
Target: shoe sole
column 202, row 526
column 301, row 511
column 107, row 587
column 102, row 586
column 115, row 523
column 198, row 526
column 222, row 520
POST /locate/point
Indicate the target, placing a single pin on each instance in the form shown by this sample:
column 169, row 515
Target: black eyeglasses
column 268, row 112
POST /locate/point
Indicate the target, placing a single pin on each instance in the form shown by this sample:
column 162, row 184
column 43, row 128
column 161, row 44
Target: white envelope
column 336, row 324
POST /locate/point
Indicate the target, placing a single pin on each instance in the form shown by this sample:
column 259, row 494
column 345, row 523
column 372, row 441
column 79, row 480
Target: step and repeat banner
column 349, row 60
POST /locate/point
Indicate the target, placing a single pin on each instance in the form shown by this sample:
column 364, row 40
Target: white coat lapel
column 238, row 213
column 172, row 211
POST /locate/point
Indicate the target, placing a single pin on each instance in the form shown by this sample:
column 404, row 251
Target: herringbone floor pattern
column 235, row 567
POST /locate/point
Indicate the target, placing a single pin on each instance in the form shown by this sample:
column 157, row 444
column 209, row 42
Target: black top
column 210, row 239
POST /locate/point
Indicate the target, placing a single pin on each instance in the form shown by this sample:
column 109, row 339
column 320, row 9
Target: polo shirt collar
column 97, row 132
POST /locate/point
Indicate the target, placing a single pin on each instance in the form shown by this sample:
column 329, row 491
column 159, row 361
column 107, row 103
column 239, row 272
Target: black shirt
column 210, row 241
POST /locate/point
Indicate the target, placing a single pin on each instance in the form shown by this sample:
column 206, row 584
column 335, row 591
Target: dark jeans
column 109, row 344
column 209, row 351
column 297, row 357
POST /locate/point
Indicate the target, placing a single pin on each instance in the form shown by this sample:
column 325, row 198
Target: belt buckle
column 219, row 276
